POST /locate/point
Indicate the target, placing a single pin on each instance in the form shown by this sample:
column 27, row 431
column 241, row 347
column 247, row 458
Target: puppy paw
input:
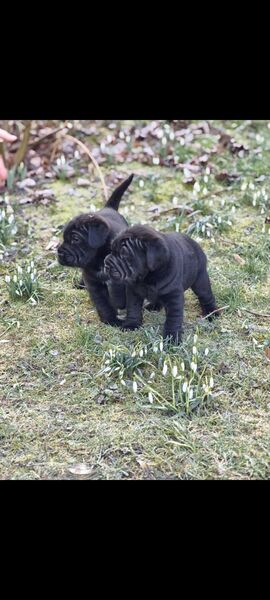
column 129, row 325
column 210, row 314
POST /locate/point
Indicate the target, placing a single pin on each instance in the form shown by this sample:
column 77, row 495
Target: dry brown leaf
column 80, row 469
column 239, row 259
column 267, row 352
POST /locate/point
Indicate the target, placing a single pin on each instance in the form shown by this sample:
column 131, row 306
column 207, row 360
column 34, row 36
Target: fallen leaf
column 239, row 259
column 28, row 182
column 80, row 469
column 83, row 182
column 267, row 352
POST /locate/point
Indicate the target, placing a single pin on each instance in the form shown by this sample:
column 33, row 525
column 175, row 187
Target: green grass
column 58, row 406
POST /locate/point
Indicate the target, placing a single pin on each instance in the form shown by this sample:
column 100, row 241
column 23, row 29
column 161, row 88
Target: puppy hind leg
column 202, row 289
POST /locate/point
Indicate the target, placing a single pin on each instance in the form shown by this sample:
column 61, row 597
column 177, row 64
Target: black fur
column 159, row 267
column 87, row 241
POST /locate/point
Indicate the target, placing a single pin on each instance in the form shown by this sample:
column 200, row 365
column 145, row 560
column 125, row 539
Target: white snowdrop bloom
column 135, row 387
column 219, row 219
column 121, row 135
column 184, row 386
column 206, row 351
column 174, row 371
column 141, row 183
column 205, row 191
column 141, row 353
column 196, row 186
column 195, row 339
column 175, row 200
column 32, row 264
column 7, row 279
column 194, row 350
column 155, row 160
column 152, row 375
column 155, row 349
column 233, row 209
column 207, row 171
column 205, row 178
column 193, row 366
column 150, row 398
column 171, row 136
column 211, row 382
column 161, row 346
column 20, row 282
column 165, row 369
column 177, row 227
column 128, row 138
column 10, row 219
column 182, row 366
column 190, row 393
column 19, row 269
column 32, row 277
column 122, row 381
column 164, row 141
column 15, row 278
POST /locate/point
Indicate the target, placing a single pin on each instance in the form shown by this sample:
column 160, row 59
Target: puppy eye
column 75, row 238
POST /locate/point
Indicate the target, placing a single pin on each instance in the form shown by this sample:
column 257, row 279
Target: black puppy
column 87, row 240
column 159, row 267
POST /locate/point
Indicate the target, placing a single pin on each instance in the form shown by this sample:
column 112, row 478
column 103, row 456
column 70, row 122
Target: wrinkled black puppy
column 159, row 267
column 87, row 240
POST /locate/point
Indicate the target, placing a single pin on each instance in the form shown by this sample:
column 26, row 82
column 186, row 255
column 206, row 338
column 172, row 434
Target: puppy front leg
column 100, row 297
column 134, row 310
column 174, row 307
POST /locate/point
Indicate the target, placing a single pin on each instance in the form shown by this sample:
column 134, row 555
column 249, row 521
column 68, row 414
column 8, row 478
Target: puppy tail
column 116, row 196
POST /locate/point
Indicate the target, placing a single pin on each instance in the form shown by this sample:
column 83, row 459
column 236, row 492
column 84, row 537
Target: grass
column 58, row 406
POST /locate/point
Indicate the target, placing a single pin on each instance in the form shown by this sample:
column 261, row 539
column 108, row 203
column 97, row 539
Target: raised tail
column 116, row 196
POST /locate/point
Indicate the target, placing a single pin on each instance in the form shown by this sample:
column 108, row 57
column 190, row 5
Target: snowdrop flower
column 195, row 339
column 184, row 386
column 141, row 353
column 190, row 394
column 141, row 183
column 182, row 366
column 164, row 141
column 194, row 350
column 174, row 371
column 150, row 398
column 135, row 387
column 206, row 351
column 152, row 375
column 193, row 366
column 196, row 186
column 32, row 277
column 161, row 346
column 156, row 160
column 7, row 279
column 165, row 369
column 211, row 382
column 15, row 278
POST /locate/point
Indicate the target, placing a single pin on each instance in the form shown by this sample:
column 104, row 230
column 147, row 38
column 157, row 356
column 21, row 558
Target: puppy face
column 135, row 252
column 83, row 238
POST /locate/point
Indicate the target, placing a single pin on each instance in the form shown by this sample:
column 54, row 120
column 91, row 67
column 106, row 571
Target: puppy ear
column 98, row 233
column 156, row 254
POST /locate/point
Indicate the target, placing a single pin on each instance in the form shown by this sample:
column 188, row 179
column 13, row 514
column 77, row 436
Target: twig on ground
column 215, row 311
column 252, row 312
